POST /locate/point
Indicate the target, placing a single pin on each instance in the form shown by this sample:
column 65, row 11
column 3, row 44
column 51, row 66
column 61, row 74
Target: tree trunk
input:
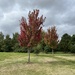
column 28, row 55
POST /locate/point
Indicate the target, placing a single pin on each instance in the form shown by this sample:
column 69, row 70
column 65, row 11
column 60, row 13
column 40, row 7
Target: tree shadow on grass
column 59, row 61
column 52, row 63
column 45, row 55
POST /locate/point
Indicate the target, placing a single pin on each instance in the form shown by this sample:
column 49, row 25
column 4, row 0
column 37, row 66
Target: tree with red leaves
column 51, row 38
column 31, row 30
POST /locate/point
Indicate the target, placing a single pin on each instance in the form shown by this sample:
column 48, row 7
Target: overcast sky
column 60, row 13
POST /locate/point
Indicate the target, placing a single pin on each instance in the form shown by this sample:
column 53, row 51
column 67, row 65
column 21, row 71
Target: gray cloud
column 57, row 12
column 1, row 14
column 7, row 5
column 70, row 17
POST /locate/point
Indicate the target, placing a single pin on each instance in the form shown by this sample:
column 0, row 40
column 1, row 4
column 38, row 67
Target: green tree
column 47, row 49
column 65, row 42
column 42, row 43
column 72, row 48
column 73, row 40
column 7, row 46
column 15, row 44
column 37, row 49
column 72, row 44
column 1, row 41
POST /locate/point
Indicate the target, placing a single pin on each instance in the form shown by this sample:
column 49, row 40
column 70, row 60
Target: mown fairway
column 43, row 64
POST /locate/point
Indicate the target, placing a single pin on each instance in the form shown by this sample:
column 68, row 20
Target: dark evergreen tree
column 1, row 41
column 7, row 44
column 65, row 43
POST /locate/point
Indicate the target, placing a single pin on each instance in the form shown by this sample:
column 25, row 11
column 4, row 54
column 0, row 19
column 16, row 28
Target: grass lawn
column 43, row 64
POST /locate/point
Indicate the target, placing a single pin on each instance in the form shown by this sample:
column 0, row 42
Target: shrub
column 47, row 49
column 37, row 49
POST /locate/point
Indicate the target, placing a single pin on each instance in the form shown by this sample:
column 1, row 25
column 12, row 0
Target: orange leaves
column 51, row 37
column 31, row 31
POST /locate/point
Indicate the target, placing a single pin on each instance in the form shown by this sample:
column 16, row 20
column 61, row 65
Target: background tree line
column 66, row 44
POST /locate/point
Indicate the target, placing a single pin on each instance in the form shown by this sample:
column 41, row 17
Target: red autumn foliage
column 31, row 31
column 51, row 37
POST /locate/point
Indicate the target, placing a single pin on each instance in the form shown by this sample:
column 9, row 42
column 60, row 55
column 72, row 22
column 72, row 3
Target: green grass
column 43, row 64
